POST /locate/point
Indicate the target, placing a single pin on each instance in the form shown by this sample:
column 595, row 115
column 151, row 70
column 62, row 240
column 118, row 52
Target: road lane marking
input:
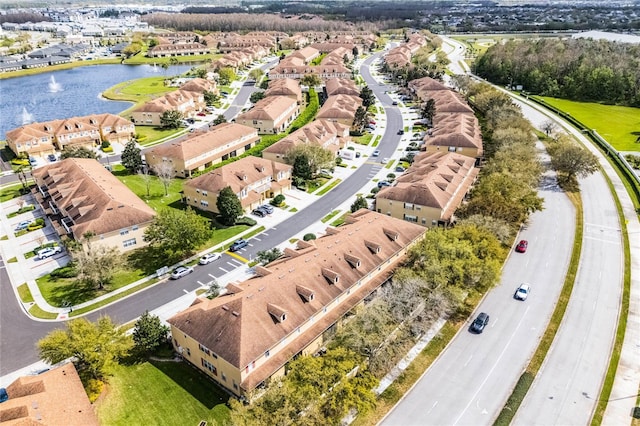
column 223, row 270
column 237, row 256
column 257, row 239
column 468, row 361
column 186, row 291
column 432, row 407
column 213, row 276
column 199, row 282
column 493, row 367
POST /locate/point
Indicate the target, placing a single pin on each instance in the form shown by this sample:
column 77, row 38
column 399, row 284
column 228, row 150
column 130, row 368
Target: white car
column 208, row 258
column 48, row 252
column 180, row 272
column 522, row 292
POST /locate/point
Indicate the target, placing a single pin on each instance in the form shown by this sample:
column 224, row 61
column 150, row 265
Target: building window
column 124, row 232
column 206, row 364
column 204, row 349
column 134, row 228
column 204, row 203
column 129, row 243
column 224, row 378
column 424, row 221
column 452, row 149
column 188, row 351
column 434, row 222
column 204, row 193
column 267, row 353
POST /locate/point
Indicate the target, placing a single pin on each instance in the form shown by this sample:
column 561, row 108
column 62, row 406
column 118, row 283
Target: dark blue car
column 238, row 244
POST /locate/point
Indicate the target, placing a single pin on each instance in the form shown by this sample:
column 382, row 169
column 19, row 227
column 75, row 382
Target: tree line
column 243, row 22
column 578, row 69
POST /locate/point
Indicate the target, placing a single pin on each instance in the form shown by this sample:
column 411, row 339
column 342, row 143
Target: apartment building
column 271, row 115
column 201, row 150
column 252, row 179
column 81, row 197
column 246, row 337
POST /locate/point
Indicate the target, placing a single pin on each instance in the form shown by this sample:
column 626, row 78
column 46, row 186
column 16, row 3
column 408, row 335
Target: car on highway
column 238, row 244
column 22, row 225
column 522, row 246
column 522, row 292
column 208, row 258
column 267, row 208
column 180, row 272
column 376, row 153
column 478, row 325
column 48, row 252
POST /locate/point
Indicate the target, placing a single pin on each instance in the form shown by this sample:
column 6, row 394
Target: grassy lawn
column 619, row 125
column 141, row 89
column 25, row 293
column 328, row 217
column 156, row 198
column 37, row 312
column 329, row 187
column 362, row 140
column 10, row 192
column 140, row 58
column 148, row 135
column 21, row 210
column 161, row 393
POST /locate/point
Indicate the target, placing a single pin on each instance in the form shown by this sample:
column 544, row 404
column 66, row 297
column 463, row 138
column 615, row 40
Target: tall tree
column 171, row 119
column 360, row 119
column 268, row 256
column 95, row 263
column 316, row 156
column 229, row 206
column 149, row 332
column 311, row 80
column 178, row 232
column 78, row 152
column 429, row 110
column 131, row 157
column 226, row 76
column 256, row 96
column 94, row 347
column 219, row 120
column 256, row 74
column 572, row 160
column 165, row 174
column 210, row 98
column 360, row 203
column 301, row 168
column 367, row 96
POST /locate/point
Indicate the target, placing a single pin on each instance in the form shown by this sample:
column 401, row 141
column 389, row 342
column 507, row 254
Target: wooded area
column 578, row 69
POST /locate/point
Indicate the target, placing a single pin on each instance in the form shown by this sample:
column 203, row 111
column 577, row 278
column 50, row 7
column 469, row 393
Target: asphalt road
column 17, row 349
column 469, row 382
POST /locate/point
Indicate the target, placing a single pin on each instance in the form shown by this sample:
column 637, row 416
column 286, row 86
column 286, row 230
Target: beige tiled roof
column 201, row 143
column 456, row 129
column 55, row 397
column 306, row 53
column 328, row 47
column 240, row 328
column 318, row 132
column 339, row 107
column 435, row 179
column 168, row 102
column 341, row 86
column 94, row 198
column 446, row 101
column 284, row 87
column 269, row 108
column 426, row 83
column 239, row 175
column 199, row 85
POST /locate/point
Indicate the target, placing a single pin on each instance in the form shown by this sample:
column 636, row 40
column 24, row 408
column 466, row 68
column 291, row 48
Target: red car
column 201, row 114
column 522, row 246
column 372, row 122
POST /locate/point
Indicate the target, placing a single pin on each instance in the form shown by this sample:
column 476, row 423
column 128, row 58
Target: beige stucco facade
column 422, row 215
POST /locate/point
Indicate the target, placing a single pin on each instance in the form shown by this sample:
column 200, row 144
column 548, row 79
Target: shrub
column 244, row 220
column 93, row 389
column 107, row 149
column 351, row 148
column 20, row 162
column 278, row 200
column 338, row 161
column 309, row 236
column 375, row 190
column 105, row 144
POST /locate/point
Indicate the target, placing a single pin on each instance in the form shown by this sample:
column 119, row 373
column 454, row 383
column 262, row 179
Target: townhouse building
column 340, row 108
column 430, row 191
column 341, row 86
column 306, row 54
column 81, row 197
column 186, row 102
column 44, row 138
column 177, row 49
column 285, row 87
column 270, row 115
column 202, row 150
column 252, row 179
column 246, row 337
column 324, row 133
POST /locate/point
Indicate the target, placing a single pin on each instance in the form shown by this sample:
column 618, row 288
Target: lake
column 68, row 93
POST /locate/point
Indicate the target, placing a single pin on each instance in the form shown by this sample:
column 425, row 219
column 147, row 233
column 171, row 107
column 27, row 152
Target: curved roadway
column 18, row 333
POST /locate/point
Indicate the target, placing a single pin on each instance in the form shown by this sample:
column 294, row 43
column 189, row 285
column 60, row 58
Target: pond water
column 68, row 93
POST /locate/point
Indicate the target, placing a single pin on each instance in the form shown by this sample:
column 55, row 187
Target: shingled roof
column 324, row 133
column 240, row 327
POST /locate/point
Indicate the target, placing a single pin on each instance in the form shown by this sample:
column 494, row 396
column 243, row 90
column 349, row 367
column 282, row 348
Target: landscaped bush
column 309, row 236
column 20, row 162
column 278, row 200
column 39, row 223
column 107, row 149
column 634, row 160
column 244, row 220
column 105, row 144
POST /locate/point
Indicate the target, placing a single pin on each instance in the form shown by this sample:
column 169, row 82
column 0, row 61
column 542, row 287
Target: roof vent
column 225, row 307
column 235, row 313
column 374, row 247
column 393, row 235
column 353, row 260
column 277, row 312
column 331, row 275
column 304, row 292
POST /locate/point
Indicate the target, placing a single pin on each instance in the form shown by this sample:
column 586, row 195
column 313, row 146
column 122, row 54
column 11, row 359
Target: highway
column 18, row 343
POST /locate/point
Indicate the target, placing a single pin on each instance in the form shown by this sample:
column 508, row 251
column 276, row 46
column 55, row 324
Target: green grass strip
column 329, row 187
column 37, row 312
column 389, row 164
column 12, row 260
column 25, row 293
column 328, row 217
column 339, row 221
column 376, row 141
column 607, row 386
column 524, row 383
column 113, row 298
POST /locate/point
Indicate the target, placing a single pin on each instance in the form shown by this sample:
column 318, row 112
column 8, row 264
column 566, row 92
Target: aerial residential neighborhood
column 308, row 213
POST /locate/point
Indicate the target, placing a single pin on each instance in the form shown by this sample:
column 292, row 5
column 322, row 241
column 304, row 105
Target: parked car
column 51, row 157
column 522, row 292
column 478, row 325
column 201, row 114
column 259, row 212
column 383, row 183
column 238, row 244
column 267, row 207
column 372, row 122
column 522, row 246
column 208, row 258
column 376, row 153
column 400, row 169
column 23, row 225
column 401, row 132
column 394, row 103
column 33, row 162
column 180, row 272
column 48, row 252
column 385, row 160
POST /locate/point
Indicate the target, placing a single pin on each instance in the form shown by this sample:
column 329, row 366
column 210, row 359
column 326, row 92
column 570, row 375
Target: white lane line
column 223, row 270
column 495, row 364
column 233, row 265
column 257, row 239
column 615, row 228
column 186, row 291
column 264, row 233
column 468, row 361
column 602, row 240
column 199, row 282
column 432, row 407
column 213, row 276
